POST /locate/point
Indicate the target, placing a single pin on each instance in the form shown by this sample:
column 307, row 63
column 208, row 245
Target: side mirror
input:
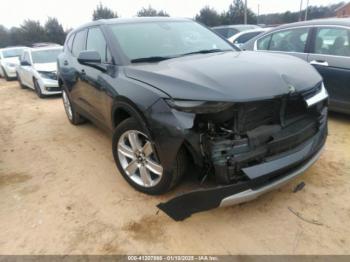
column 25, row 63
column 89, row 58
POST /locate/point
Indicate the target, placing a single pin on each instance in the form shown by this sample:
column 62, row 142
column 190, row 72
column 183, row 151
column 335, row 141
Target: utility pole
column 245, row 12
column 257, row 18
column 301, row 10
column 307, row 9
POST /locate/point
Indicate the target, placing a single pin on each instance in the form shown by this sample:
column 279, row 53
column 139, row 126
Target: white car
column 38, row 70
column 241, row 38
column 9, row 60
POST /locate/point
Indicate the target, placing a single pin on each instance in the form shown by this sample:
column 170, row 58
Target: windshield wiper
column 150, row 59
column 206, row 51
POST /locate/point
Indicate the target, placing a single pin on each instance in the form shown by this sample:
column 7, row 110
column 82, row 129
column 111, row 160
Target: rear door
column 330, row 55
column 291, row 41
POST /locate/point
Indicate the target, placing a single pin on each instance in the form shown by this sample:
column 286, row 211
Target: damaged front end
column 253, row 147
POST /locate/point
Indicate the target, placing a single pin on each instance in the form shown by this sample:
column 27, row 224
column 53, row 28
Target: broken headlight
column 198, row 107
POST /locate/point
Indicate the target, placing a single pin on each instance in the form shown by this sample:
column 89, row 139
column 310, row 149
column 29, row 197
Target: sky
column 72, row 13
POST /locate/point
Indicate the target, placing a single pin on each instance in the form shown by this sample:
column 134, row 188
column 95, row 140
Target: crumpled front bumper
column 263, row 178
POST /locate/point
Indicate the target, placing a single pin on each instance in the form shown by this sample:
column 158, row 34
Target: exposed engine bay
column 248, row 134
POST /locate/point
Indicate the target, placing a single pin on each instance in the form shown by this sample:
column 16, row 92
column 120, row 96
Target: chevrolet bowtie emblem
column 291, row 89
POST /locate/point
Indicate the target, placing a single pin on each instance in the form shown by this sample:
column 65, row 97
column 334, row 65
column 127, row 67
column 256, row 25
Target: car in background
column 228, row 31
column 323, row 43
column 173, row 92
column 241, row 38
column 9, row 59
column 38, row 70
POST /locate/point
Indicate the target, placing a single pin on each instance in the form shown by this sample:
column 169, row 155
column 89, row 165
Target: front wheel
column 138, row 163
column 38, row 89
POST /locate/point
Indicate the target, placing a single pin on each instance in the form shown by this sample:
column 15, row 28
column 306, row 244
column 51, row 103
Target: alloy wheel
column 137, row 158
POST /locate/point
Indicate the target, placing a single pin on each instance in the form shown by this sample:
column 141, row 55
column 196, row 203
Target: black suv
column 173, row 93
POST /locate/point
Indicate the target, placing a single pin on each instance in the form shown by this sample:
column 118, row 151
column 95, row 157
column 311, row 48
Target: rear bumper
column 263, row 178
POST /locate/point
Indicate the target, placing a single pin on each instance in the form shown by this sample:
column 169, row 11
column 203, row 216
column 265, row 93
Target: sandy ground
column 60, row 193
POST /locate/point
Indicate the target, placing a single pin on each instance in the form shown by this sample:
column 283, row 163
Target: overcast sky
column 72, row 13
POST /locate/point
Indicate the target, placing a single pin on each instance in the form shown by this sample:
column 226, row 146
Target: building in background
column 343, row 11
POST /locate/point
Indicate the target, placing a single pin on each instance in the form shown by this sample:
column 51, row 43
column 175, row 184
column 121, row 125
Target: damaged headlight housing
column 198, row 107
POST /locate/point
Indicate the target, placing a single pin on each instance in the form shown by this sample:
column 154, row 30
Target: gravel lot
column 60, row 193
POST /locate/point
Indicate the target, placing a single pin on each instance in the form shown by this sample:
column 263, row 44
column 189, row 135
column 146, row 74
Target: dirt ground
column 60, row 193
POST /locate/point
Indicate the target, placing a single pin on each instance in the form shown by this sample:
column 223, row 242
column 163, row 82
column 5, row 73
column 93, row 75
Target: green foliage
column 54, row 31
column 102, row 12
column 4, row 37
column 235, row 15
column 149, row 11
column 208, row 16
column 314, row 12
column 31, row 32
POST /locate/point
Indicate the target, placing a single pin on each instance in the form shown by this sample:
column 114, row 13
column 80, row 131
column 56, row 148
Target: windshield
column 45, row 56
column 6, row 53
column 166, row 39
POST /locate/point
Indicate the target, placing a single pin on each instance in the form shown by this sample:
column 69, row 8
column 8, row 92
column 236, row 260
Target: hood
column 228, row 76
column 13, row 60
column 46, row 67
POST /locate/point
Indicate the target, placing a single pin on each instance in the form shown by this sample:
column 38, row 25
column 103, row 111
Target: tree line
column 31, row 31
column 235, row 15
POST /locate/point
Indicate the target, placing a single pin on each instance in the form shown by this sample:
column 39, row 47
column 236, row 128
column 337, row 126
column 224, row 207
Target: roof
column 327, row 21
column 132, row 20
column 235, row 26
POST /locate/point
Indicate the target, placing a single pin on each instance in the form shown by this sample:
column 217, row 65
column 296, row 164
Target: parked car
column 228, row 31
column 325, row 44
column 38, row 70
column 241, row 38
column 174, row 93
column 9, row 59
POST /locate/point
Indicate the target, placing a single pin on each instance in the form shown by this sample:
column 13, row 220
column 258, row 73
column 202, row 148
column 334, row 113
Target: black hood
column 228, row 76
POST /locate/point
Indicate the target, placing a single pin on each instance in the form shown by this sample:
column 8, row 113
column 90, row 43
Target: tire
column 73, row 116
column 38, row 89
column 20, row 82
column 157, row 184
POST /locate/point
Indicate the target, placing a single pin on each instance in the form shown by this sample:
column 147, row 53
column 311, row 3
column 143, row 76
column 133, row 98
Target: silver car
column 9, row 60
column 38, row 70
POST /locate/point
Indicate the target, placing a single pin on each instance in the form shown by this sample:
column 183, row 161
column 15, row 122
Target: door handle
column 319, row 62
column 65, row 62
